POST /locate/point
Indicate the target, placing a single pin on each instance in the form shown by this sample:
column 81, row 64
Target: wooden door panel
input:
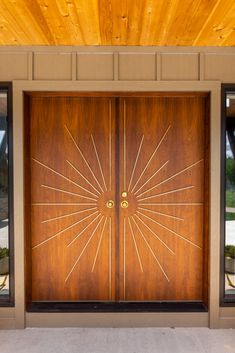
column 72, row 179
column 118, row 198
column 162, row 147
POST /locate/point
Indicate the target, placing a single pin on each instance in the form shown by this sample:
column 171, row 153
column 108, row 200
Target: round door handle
column 124, row 204
column 110, row 204
column 124, row 194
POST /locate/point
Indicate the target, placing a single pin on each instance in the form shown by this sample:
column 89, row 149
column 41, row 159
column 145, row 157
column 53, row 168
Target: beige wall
column 118, row 63
column 117, row 69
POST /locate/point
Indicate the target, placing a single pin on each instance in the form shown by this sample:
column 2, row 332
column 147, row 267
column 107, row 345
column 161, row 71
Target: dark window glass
column 5, row 284
column 229, row 236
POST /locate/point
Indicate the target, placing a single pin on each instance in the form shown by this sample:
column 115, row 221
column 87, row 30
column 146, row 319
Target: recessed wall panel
column 180, row 66
column 13, row 66
column 52, row 66
column 139, row 66
column 95, row 66
column 220, row 67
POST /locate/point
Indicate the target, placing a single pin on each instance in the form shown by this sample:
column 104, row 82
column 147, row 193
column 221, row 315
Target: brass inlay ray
column 83, row 157
column 83, row 250
column 68, row 215
column 67, row 192
column 136, row 247
column 110, row 145
column 156, row 236
column 98, row 247
column 160, row 213
column 79, row 173
column 147, row 181
column 151, row 250
column 124, row 144
column 63, row 204
column 172, row 204
column 98, row 160
column 63, row 230
column 135, row 164
column 170, row 230
column 166, row 193
column 150, row 159
column 62, row 176
column 124, row 258
column 171, row 177
column 110, row 258
column 83, row 230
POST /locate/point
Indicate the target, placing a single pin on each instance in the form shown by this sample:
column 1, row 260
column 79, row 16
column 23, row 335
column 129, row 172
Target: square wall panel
column 52, row 66
column 13, row 66
column 137, row 66
column 97, row 66
column 176, row 67
column 220, row 67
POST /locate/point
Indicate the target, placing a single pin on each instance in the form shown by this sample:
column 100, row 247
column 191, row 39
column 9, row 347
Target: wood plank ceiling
column 118, row 22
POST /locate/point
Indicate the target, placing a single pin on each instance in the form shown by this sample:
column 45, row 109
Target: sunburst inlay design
column 141, row 215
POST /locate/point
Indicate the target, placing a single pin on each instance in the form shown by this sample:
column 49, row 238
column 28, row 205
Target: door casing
column 113, row 306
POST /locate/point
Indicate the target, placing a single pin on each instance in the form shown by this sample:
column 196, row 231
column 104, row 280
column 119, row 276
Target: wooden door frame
column 210, row 87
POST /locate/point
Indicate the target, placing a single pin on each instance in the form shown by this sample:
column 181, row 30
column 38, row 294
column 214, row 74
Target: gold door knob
column 110, row 204
column 124, row 204
column 124, row 194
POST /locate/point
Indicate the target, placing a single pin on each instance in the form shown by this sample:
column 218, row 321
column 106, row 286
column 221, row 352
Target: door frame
column 115, row 306
column 137, row 319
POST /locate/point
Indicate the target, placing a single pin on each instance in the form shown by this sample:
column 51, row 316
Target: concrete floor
column 140, row 340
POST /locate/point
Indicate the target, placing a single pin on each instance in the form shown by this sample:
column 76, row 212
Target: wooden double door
column 116, row 197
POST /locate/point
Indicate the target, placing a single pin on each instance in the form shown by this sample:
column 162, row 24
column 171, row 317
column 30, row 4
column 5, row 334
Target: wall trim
column 97, row 63
column 120, row 48
column 162, row 319
column 117, row 320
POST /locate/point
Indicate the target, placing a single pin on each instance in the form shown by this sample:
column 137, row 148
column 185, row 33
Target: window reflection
column 230, row 196
column 4, row 224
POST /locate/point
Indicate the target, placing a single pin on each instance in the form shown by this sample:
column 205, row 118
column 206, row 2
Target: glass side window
column 229, row 245
column 4, row 199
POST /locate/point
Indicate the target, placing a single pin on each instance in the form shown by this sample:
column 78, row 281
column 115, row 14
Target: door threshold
column 117, row 307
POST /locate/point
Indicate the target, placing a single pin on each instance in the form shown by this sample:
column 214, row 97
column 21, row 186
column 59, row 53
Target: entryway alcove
column 116, row 200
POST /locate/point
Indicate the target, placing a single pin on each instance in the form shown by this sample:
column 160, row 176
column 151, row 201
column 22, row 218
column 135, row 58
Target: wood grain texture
column 72, row 179
column 162, row 169
column 117, row 22
column 150, row 152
